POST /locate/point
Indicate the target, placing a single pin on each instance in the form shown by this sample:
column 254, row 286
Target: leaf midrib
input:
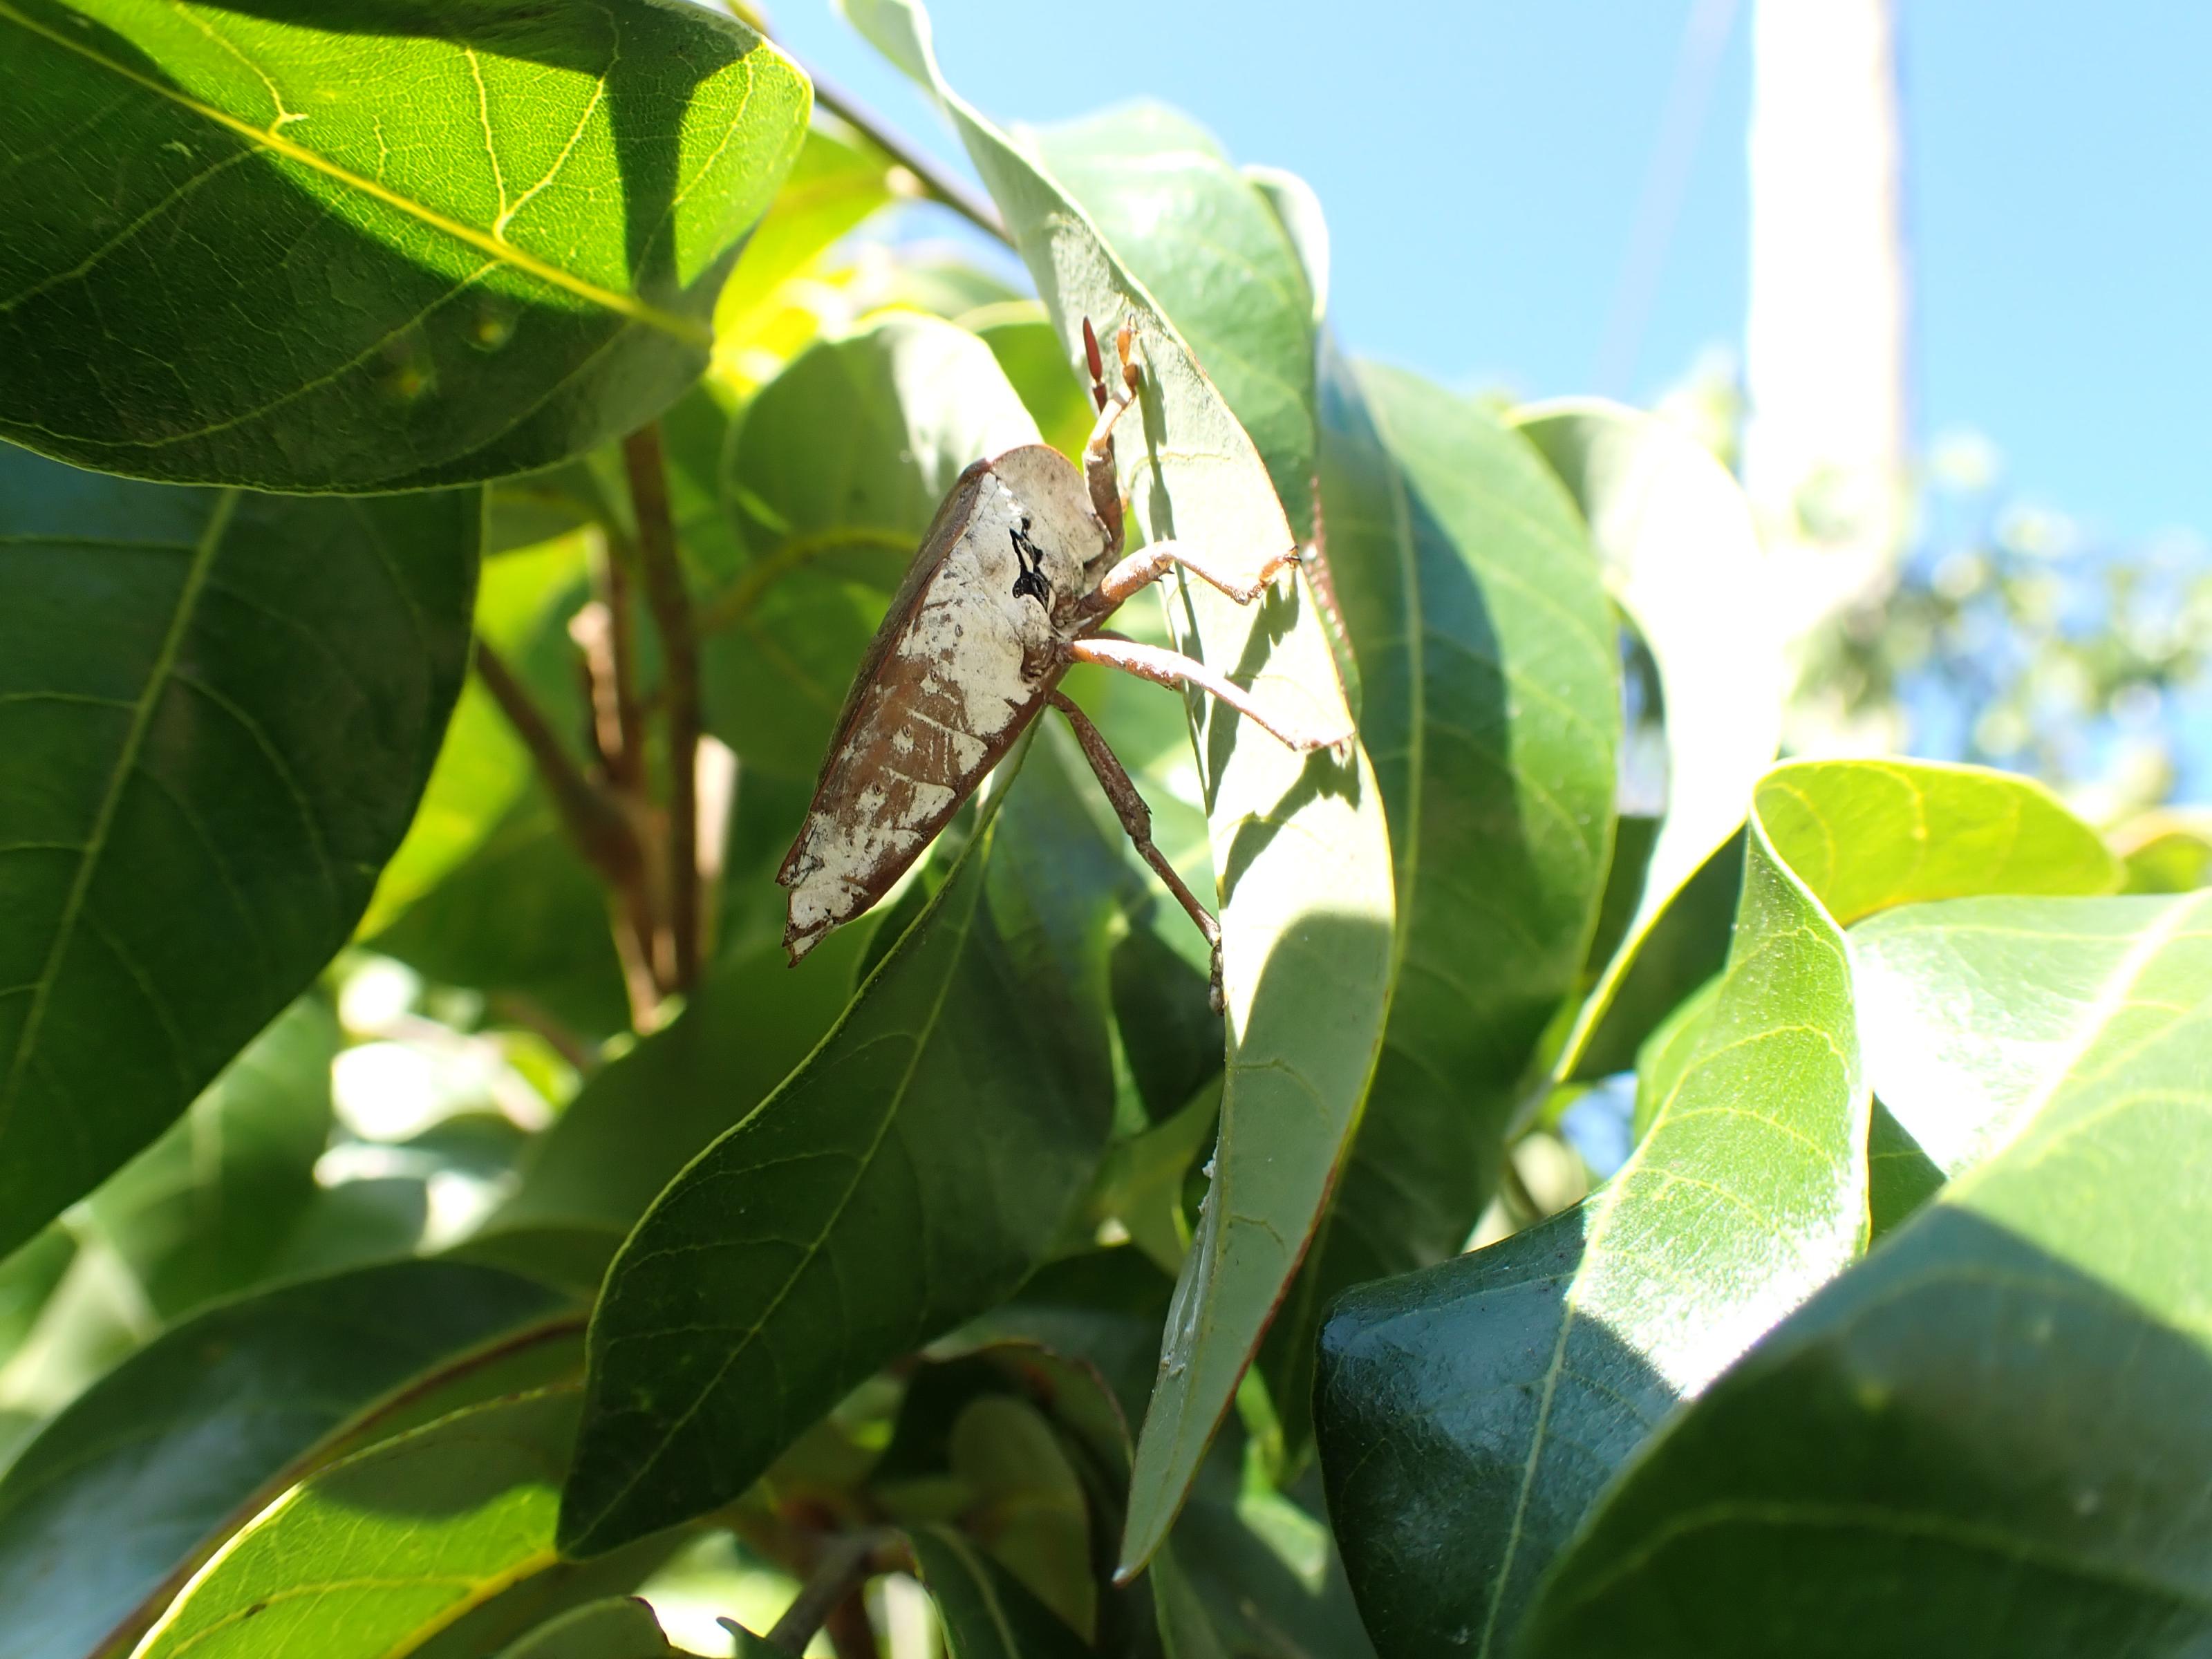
column 126, row 759
column 497, row 248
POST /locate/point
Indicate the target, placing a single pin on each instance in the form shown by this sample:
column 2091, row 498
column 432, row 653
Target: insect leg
column 1099, row 452
column 1148, row 565
column 1170, row 668
column 1137, row 818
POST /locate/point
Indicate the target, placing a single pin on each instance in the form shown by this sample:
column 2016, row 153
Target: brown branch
column 851, row 1636
column 679, row 649
column 621, row 727
column 830, row 1593
column 517, row 1009
column 594, row 823
column 939, row 185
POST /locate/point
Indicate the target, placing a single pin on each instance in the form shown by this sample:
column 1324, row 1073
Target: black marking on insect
column 1011, row 587
column 1032, row 583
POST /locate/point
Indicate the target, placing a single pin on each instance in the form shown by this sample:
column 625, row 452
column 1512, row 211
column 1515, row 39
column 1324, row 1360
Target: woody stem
column 622, row 728
column 588, row 811
column 940, row 185
column 679, row 646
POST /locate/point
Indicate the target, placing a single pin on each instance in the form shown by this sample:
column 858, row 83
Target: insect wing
column 958, row 669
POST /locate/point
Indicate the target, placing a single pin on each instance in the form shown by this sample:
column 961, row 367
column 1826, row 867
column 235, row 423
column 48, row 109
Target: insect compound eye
column 1031, row 579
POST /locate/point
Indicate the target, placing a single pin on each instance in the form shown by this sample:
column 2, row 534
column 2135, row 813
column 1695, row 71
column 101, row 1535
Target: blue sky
column 1481, row 164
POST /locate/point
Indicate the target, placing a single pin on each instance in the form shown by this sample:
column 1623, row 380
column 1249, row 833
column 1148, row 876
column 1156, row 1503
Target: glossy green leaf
column 371, row 248
column 904, row 1178
column 1682, row 557
column 1210, row 251
column 988, row 1613
column 1301, row 852
column 834, row 474
column 134, row 1479
column 380, row 1550
column 216, row 712
column 1491, row 705
column 1470, row 1414
column 622, row 1627
column 643, row 1116
column 1990, row 1437
column 205, row 1209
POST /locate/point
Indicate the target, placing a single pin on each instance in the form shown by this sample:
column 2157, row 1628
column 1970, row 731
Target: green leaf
column 1666, row 1054
column 124, row 1491
column 1300, row 850
column 1492, row 707
column 216, row 712
column 988, row 1613
column 432, row 244
column 482, row 769
column 2167, row 851
column 1682, row 557
column 1297, row 208
column 1022, row 338
column 1141, row 1185
column 1258, row 1563
column 547, row 1595
column 1868, row 835
column 1208, row 247
column 1991, row 1436
column 521, row 916
column 643, row 1116
column 1965, row 1062
column 906, row 1177
column 28, row 1279
column 834, row 474
column 839, row 179
column 1027, row 1508
column 621, row 1627
column 1683, row 946
column 1248, row 1570
column 1470, row 1414
column 380, row 1550
column 204, row 1210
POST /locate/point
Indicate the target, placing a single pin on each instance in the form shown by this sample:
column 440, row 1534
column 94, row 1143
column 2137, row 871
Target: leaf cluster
column 458, row 454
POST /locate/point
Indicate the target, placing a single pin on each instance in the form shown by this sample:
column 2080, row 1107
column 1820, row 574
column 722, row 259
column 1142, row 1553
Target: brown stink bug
column 1011, row 586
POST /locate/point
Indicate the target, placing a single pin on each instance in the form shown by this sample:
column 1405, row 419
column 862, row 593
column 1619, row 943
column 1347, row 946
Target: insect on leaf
column 1301, row 852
